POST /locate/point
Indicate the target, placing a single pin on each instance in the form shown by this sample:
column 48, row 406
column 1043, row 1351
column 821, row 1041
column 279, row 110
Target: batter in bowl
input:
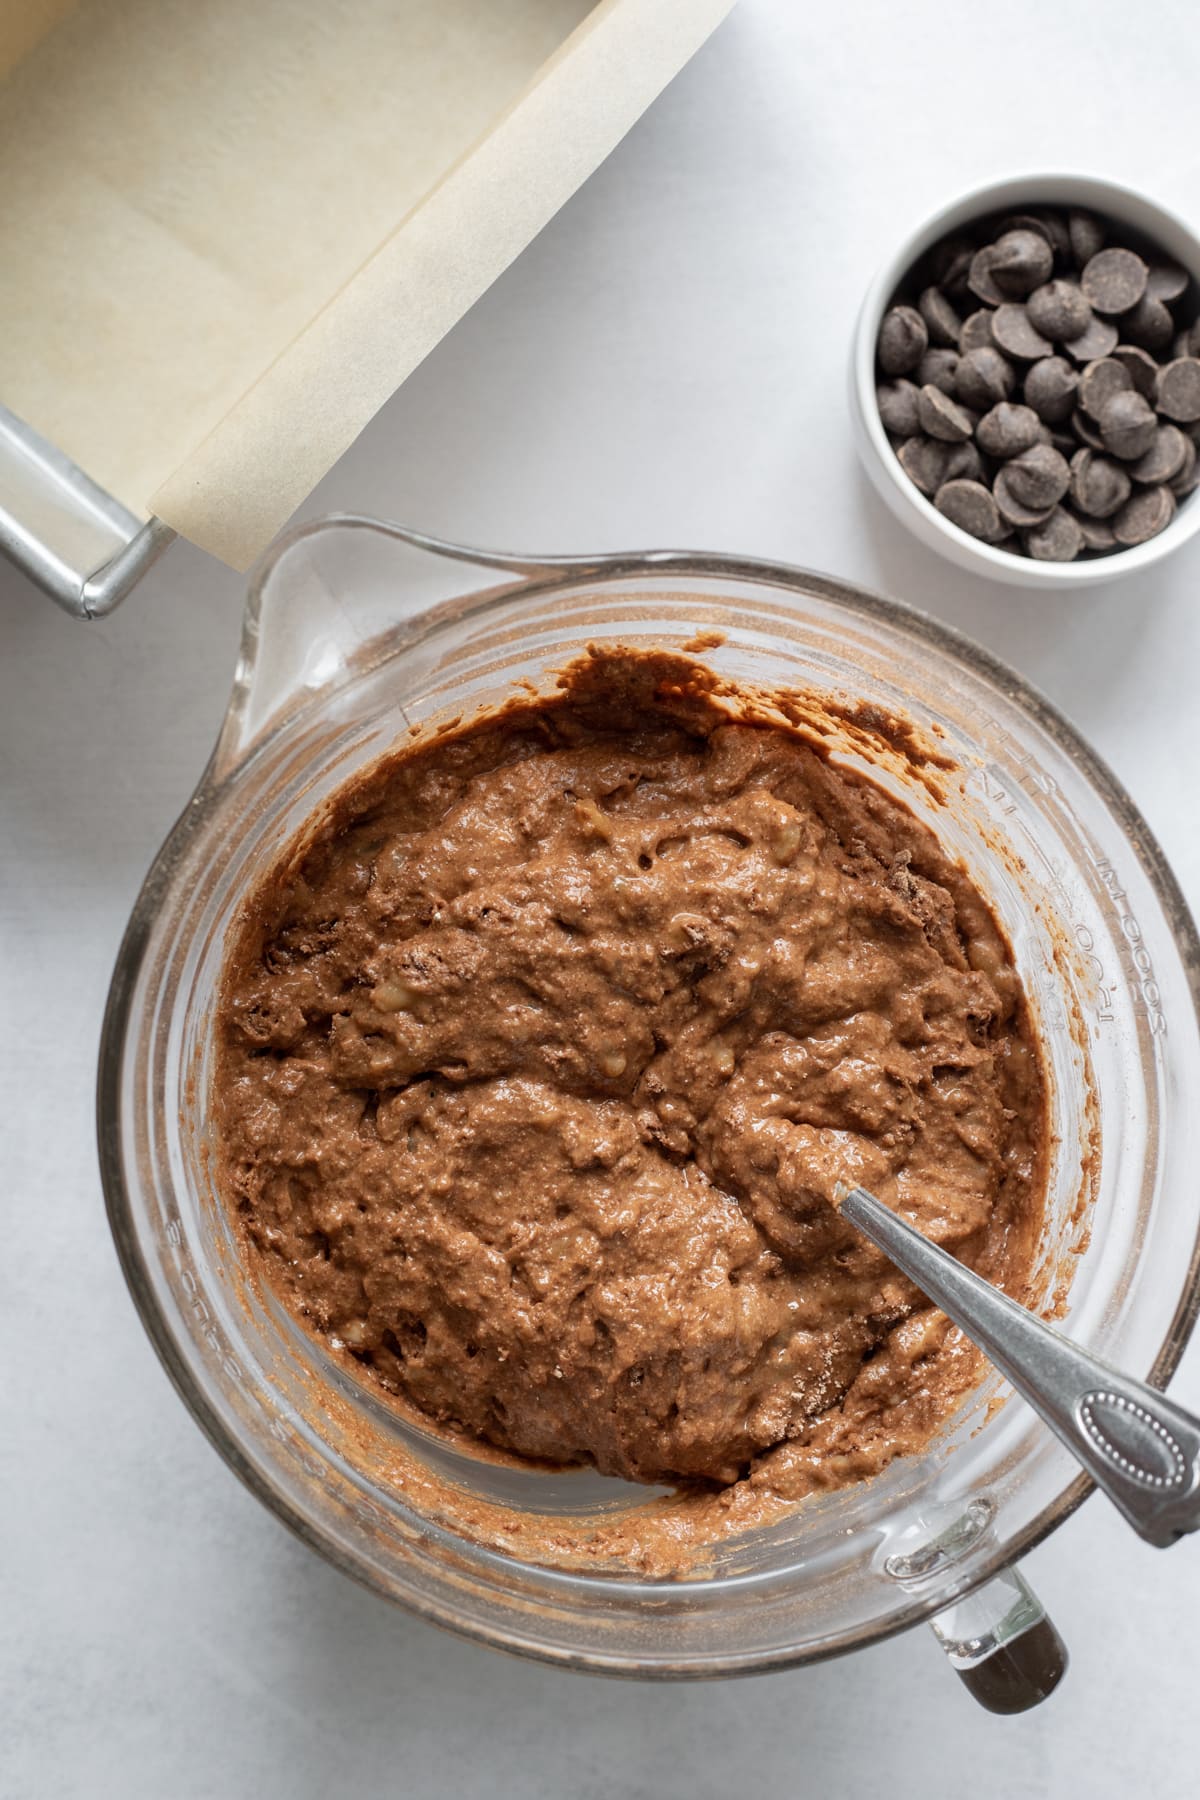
column 541, row 1057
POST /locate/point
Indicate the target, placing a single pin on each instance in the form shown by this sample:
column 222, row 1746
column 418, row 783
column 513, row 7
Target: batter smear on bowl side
column 540, row 1059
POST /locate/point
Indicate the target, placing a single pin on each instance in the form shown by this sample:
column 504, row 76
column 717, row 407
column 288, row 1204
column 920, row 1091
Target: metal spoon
column 1142, row 1449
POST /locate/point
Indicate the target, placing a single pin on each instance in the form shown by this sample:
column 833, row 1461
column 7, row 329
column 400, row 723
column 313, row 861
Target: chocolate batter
column 541, row 1059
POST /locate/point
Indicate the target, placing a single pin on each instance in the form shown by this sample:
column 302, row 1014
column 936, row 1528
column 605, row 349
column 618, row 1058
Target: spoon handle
column 1142, row 1449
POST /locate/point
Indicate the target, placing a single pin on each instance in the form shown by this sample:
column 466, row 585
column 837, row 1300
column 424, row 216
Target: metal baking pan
column 77, row 543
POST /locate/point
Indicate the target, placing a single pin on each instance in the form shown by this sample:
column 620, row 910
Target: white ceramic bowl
column 1144, row 217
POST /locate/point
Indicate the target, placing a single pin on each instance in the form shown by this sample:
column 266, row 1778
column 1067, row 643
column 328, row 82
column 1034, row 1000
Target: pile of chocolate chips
column 1039, row 381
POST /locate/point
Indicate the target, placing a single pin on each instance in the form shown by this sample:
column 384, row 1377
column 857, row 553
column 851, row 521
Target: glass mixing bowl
column 355, row 630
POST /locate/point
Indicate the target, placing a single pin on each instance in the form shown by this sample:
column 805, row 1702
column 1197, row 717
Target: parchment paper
column 229, row 229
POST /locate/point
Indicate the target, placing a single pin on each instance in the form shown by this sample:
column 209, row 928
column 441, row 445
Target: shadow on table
column 1078, row 646
column 106, row 727
column 365, row 1696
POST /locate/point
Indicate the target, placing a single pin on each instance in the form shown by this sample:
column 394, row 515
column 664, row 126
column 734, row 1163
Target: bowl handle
column 332, row 591
column 1002, row 1646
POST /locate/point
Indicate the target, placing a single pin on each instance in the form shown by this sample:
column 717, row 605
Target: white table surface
column 666, row 365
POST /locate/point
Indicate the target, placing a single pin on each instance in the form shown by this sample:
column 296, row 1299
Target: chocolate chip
column 942, row 417
column 1087, row 235
column 1054, row 224
column 1014, row 332
column 952, row 264
column 1012, row 510
column 1100, row 381
column 903, row 340
column 1149, row 324
column 1114, row 280
column 1086, row 430
column 1144, row 516
column 1188, row 477
column 938, row 368
column 968, row 505
column 1167, row 282
column 1007, row 430
column 1097, row 534
column 1038, row 478
column 1142, row 369
column 964, row 463
column 1165, row 457
column 980, row 279
column 1021, row 261
column 1098, row 485
column 1179, row 390
column 977, row 332
column 897, row 401
column 1058, row 540
column 1127, row 425
column 924, row 460
column 941, row 319
column 1098, row 340
column 1059, row 311
column 1024, row 222
column 1050, row 386
column 984, row 377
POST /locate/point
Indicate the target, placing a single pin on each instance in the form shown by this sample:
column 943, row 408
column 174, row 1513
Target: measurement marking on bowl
column 1135, row 957
column 991, row 782
column 1136, row 969
column 199, row 1305
column 994, row 789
